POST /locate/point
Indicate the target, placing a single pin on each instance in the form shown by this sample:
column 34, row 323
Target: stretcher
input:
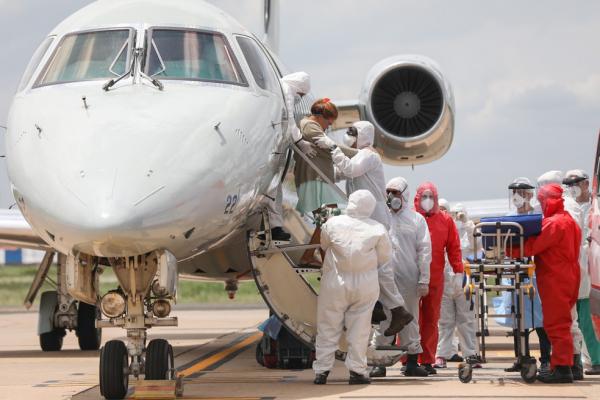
column 501, row 266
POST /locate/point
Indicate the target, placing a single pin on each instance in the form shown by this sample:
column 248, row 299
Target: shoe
column 595, row 370
column 278, row 233
column 474, row 361
column 560, row 374
column 430, row 370
column 400, row 318
column 456, row 358
column 377, row 372
column 378, row 315
column 577, row 368
column 412, row 367
column 544, row 367
column 440, row 362
column 321, row 379
column 358, row 379
column 516, row 367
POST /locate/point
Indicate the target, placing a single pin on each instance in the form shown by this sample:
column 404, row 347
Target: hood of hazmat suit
column 364, row 171
column 293, row 84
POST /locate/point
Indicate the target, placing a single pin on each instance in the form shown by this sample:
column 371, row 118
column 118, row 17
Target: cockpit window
column 35, row 62
column 191, row 55
column 88, row 56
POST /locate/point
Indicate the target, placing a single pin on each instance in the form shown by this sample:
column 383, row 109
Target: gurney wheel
column 529, row 372
column 465, row 372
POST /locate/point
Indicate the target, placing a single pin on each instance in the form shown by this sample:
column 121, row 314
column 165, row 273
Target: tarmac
column 215, row 351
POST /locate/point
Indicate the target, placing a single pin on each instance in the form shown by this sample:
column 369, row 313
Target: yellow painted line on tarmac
column 215, row 358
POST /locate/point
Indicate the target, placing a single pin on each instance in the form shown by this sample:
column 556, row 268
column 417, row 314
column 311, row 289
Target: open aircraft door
column 282, row 285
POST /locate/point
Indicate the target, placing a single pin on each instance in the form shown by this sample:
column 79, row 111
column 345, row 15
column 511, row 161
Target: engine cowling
column 411, row 106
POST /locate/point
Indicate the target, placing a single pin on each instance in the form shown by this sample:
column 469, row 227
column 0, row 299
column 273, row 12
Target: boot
column 413, row 368
column 456, row 358
column 358, row 379
column 321, row 379
column 378, row 372
column 429, row 368
column 595, row 370
column 560, row 374
column 544, row 367
column 577, row 368
column 516, row 367
column 378, row 315
column 400, row 318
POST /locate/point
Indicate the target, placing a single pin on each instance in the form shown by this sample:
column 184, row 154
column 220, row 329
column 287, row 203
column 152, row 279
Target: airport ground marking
column 220, row 356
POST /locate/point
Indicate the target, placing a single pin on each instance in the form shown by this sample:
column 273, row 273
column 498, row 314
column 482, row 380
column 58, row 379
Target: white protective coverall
column 355, row 246
column 574, row 209
column 411, row 257
column 365, row 171
column 456, row 312
column 292, row 84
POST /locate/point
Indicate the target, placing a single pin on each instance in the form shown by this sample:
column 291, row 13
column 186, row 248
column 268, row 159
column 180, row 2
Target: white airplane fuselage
column 134, row 169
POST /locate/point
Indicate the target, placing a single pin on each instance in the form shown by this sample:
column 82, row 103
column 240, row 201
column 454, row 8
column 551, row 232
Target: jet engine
column 412, row 107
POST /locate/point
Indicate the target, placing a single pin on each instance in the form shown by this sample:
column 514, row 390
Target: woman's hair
column 325, row 108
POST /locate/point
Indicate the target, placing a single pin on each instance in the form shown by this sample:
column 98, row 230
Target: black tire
column 529, row 373
column 260, row 357
column 88, row 335
column 465, row 373
column 114, row 362
column 53, row 340
column 159, row 360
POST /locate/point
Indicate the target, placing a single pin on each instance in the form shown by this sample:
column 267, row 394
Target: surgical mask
column 349, row 140
column 575, row 191
column 459, row 224
column 427, row 204
column 518, row 200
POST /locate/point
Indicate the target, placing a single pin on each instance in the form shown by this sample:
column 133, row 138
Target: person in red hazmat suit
column 556, row 251
column 444, row 240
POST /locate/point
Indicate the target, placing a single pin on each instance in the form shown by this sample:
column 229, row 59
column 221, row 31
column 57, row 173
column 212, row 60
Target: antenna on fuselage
column 271, row 24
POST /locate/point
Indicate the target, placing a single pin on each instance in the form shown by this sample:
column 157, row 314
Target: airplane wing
column 16, row 232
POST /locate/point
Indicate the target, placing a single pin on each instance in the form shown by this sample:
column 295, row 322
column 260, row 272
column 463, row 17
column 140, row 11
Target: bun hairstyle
column 325, row 108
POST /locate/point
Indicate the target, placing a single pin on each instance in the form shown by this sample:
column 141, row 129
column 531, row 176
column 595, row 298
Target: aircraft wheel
column 53, row 340
column 465, row 373
column 114, row 370
column 259, row 354
column 159, row 360
column 88, row 335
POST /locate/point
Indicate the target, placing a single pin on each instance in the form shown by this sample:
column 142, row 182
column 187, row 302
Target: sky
column 526, row 74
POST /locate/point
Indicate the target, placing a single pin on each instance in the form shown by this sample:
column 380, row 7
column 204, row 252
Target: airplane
column 144, row 136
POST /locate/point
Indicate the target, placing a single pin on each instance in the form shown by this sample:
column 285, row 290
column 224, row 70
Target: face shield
column 576, row 185
column 521, row 200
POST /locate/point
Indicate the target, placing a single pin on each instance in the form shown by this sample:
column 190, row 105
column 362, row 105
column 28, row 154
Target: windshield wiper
column 137, row 54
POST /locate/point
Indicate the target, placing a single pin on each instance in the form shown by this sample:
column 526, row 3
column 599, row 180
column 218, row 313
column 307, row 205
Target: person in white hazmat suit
column 411, row 257
column 365, row 171
column 355, row 246
column 577, row 182
column 456, row 312
column 294, row 87
column 576, row 213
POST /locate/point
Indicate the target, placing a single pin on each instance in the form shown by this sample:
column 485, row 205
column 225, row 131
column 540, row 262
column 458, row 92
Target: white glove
column 325, row 143
column 422, row 289
column 307, row 148
column 457, row 283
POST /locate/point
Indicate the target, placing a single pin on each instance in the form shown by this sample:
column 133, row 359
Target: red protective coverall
column 556, row 252
column 444, row 239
